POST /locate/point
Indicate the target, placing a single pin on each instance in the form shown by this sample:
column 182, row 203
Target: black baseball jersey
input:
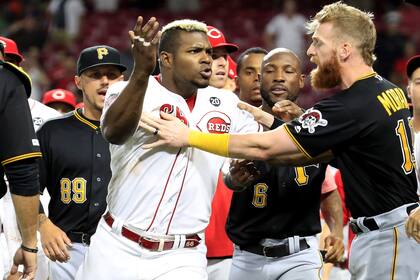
column 367, row 128
column 75, row 169
column 17, row 136
column 283, row 203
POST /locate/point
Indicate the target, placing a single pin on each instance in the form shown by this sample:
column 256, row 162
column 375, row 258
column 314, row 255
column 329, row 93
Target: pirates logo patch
column 311, row 119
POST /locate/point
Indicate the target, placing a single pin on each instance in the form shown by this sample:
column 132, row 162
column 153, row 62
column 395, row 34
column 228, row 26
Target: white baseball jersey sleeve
column 169, row 190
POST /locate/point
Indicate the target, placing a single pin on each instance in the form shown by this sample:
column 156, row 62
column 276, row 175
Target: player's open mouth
column 102, row 92
column 220, row 74
column 206, row 73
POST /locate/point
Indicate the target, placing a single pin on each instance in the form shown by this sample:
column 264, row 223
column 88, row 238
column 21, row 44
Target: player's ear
column 77, row 82
column 166, row 59
column 409, row 91
column 301, row 80
column 344, row 52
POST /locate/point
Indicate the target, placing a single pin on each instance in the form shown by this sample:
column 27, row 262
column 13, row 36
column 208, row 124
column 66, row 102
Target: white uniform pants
column 386, row 253
column 68, row 270
column 113, row 256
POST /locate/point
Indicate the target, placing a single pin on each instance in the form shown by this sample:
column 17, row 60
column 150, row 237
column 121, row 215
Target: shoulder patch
column 215, row 101
column 311, row 119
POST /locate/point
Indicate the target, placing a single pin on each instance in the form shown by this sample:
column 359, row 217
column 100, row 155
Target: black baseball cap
column 412, row 64
column 99, row 55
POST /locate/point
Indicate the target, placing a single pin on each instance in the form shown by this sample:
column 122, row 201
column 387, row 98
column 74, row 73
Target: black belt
column 276, row 251
column 371, row 224
column 79, row 237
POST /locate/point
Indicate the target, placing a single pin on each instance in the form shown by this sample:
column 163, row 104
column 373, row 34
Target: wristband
column 213, row 143
column 30, row 250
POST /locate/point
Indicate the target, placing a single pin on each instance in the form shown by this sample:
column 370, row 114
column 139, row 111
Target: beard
column 266, row 97
column 326, row 76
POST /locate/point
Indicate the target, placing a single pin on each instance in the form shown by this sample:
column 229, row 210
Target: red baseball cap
column 217, row 39
column 59, row 95
column 232, row 68
column 10, row 48
column 412, row 64
column 80, row 105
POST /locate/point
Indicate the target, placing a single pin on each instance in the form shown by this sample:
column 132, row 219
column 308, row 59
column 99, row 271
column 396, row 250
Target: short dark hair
column 254, row 50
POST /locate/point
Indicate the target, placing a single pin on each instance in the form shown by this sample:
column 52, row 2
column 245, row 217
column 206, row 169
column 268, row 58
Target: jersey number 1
column 73, row 190
column 401, row 132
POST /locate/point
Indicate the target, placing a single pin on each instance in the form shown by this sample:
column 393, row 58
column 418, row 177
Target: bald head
column 281, row 76
column 283, row 51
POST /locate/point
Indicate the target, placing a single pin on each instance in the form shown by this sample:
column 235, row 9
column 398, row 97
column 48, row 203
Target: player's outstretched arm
column 263, row 118
column 275, row 146
column 122, row 117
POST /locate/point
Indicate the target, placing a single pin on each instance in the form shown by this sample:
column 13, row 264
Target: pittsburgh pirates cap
column 99, row 55
column 10, row 48
column 59, row 95
column 217, row 39
column 412, row 64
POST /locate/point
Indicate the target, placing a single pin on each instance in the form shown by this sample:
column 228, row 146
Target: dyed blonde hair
column 349, row 22
column 170, row 32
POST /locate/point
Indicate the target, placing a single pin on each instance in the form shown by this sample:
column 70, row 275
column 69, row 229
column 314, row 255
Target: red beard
column 326, row 76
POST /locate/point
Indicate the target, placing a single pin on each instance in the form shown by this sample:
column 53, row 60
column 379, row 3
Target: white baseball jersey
column 41, row 113
column 169, row 190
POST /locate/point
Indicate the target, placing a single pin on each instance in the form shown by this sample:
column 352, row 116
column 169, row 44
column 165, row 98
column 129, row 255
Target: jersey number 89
column 73, row 190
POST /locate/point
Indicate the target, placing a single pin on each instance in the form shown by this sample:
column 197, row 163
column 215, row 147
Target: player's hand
column 335, row 249
column 17, row 276
column 28, row 260
column 264, row 118
column 54, row 242
column 287, row 110
column 144, row 41
column 412, row 226
column 242, row 173
column 170, row 130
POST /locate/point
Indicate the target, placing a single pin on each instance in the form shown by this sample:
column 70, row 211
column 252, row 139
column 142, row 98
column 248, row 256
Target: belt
column 154, row 243
column 79, row 237
column 371, row 224
column 276, row 251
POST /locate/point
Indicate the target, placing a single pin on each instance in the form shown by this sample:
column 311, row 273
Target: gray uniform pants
column 303, row 265
column 386, row 253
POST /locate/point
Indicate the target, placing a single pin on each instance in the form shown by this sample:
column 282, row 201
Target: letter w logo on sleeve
column 102, row 52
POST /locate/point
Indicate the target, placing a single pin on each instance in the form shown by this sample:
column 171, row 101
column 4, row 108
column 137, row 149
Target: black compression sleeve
column 276, row 123
column 23, row 177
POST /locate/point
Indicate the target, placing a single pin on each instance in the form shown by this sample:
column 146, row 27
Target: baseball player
column 40, row 113
column 18, row 150
column 75, row 165
column 413, row 74
column 219, row 246
column 270, row 244
column 364, row 128
column 159, row 200
column 247, row 81
column 59, row 99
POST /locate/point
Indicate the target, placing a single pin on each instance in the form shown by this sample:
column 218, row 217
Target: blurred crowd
column 50, row 33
